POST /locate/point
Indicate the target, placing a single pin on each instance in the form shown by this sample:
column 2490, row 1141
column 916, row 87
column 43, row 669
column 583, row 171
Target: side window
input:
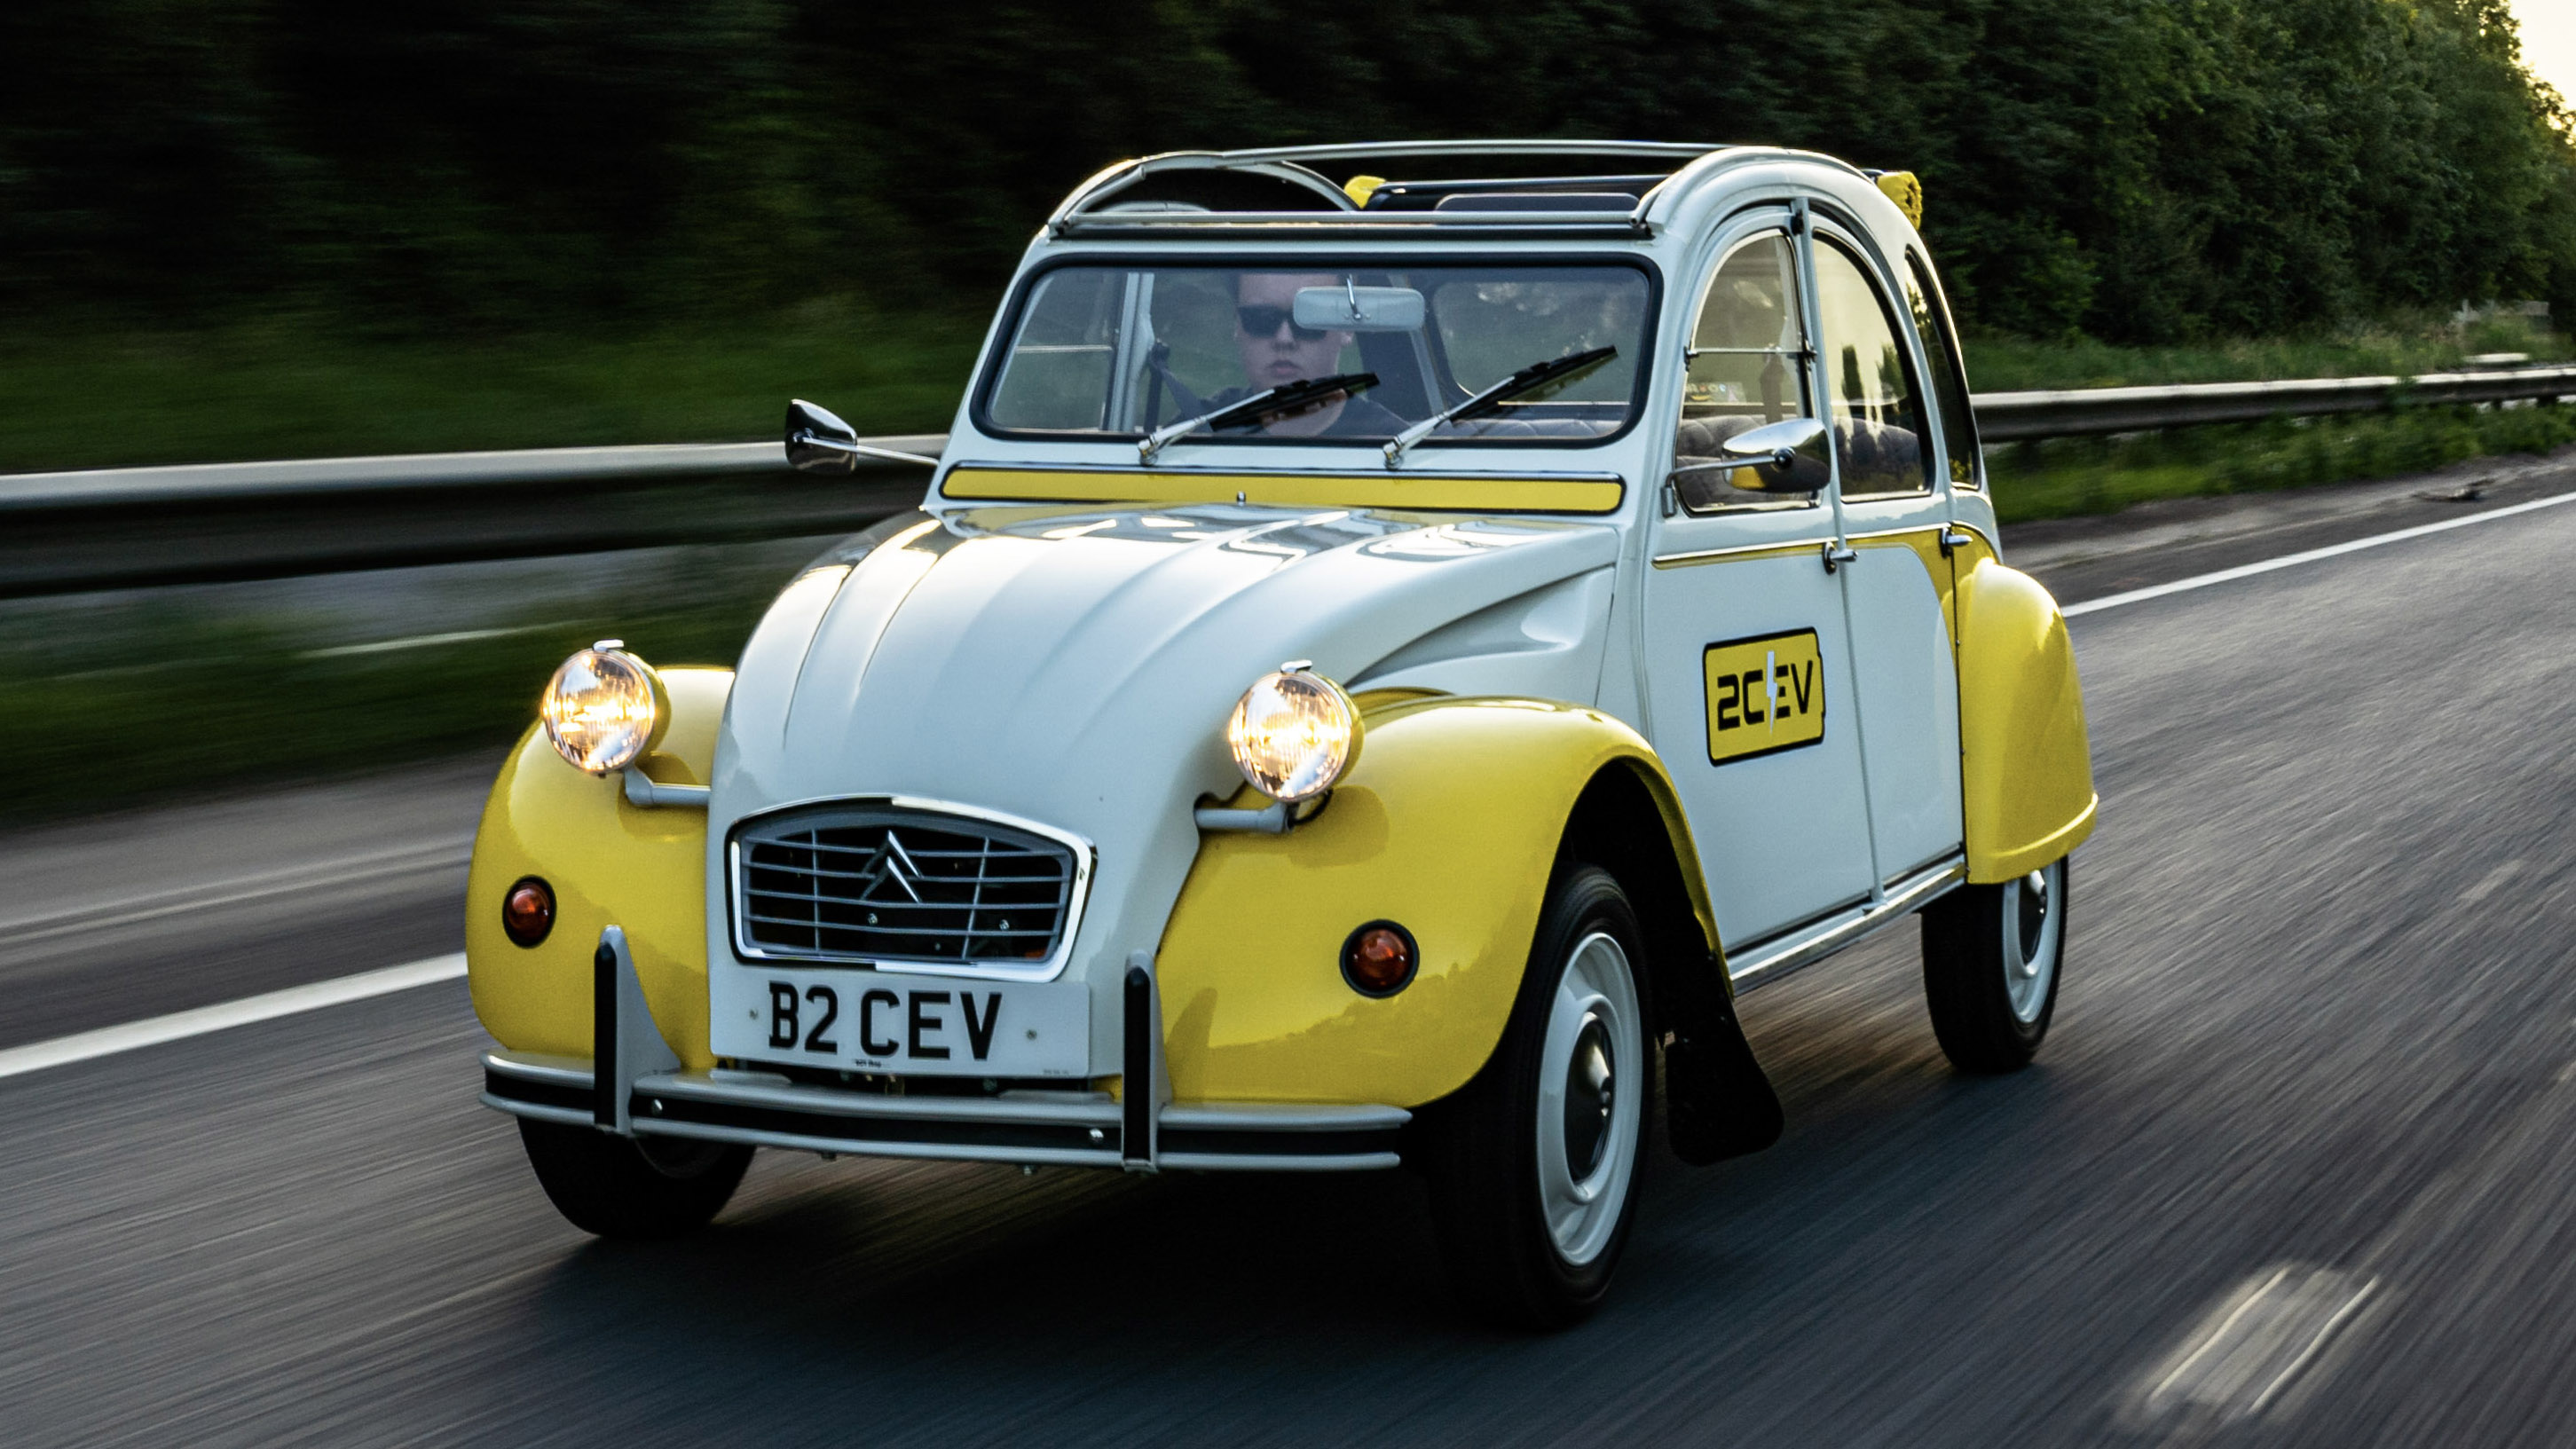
column 1058, row 374
column 1745, row 368
column 1949, row 378
column 1878, row 415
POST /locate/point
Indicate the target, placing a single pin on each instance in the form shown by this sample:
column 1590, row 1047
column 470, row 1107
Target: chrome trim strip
column 1077, row 897
column 1498, row 146
column 1283, row 1117
column 856, row 1147
column 569, row 1116
column 1933, row 528
column 1745, row 550
column 552, row 1071
column 1772, row 960
column 1288, row 1120
column 1231, row 1162
column 1087, row 1110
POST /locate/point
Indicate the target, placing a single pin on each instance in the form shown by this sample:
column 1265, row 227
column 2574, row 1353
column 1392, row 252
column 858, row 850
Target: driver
column 1276, row 350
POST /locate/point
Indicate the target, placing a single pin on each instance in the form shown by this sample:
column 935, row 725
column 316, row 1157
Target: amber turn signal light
column 528, row 911
column 1379, row 959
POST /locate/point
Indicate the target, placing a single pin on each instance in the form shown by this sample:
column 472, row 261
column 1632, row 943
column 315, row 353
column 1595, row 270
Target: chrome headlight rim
column 604, row 709
column 1327, row 759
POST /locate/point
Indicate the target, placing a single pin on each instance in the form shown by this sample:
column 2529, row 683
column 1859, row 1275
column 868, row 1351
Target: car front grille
column 885, row 884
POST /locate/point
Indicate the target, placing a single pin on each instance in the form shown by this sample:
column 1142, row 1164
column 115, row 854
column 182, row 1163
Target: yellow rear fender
column 1450, row 825
column 2026, row 767
column 608, row 863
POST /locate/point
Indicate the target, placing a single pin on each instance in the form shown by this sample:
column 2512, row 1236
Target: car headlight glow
column 1294, row 734
column 604, row 708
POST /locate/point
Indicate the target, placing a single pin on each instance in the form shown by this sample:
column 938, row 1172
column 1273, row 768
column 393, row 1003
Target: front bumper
column 1074, row 1129
column 640, row 1090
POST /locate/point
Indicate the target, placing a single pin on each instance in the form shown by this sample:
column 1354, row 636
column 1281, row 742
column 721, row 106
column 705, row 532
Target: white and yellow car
column 1379, row 660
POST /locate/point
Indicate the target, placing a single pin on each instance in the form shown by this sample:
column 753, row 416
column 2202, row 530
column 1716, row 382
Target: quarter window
column 1949, row 379
column 1878, row 415
column 1746, row 368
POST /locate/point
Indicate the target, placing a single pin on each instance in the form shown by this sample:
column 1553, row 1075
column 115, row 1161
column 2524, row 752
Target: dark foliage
column 2136, row 169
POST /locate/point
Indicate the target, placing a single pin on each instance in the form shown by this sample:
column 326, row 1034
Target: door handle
column 1838, row 553
column 1952, row 540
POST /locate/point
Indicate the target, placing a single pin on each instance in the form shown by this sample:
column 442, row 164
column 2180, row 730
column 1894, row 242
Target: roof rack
column 1092, row 210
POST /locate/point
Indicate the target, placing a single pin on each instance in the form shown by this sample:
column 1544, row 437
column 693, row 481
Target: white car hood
column 1075, row 667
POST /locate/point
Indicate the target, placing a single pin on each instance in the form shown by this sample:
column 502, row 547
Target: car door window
column 1877, row 413
column 1949, row 378
column 1745, row 369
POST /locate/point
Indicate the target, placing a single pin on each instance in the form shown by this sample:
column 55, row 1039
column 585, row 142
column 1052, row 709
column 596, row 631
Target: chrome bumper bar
column 639, row 1089
column 1073, row 1129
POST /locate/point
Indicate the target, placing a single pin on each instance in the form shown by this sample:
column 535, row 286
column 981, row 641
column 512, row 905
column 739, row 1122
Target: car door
column 1889, row 466
column 1748, row 663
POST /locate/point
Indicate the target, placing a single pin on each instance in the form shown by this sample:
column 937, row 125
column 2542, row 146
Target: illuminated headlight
column 1294, row 734
column 604, row 708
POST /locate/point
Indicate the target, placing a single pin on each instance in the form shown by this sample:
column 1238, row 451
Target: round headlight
column 1294, row 734
column 604, row 708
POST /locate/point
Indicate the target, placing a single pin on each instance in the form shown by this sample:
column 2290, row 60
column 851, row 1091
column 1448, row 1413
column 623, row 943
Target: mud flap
column 1718, row 1102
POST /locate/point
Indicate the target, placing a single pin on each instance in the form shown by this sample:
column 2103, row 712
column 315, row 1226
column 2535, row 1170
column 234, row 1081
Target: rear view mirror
column 1353, row 308
column 818, row 442
column 1788, row 456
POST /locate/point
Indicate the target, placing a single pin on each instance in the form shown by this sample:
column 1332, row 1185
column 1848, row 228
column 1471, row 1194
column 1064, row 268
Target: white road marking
column 2292, row 560
column 2487, row 884
column 2255, row 1342
column 438, row 855
column 424, row 641
column 179, row 1025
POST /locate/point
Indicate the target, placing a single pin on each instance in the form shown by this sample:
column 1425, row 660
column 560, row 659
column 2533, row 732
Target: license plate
column 875, row 1021
column 1764, row 694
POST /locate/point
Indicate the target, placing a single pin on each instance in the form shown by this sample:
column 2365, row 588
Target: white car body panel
column 1010, row 659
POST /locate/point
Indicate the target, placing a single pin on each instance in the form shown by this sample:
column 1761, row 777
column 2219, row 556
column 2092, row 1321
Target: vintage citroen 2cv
column 1379, row 663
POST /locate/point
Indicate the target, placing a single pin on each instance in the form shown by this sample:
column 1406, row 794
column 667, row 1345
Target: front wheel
column 626, row 1187
column 1535, row 1161
column 1990, row 967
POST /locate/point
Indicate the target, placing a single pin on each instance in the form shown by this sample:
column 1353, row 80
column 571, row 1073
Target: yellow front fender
column 1449, row 825
column 2025, row 764
column 609, row 863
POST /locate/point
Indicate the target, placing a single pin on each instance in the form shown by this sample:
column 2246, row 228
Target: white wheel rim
column 1594, row 1062
column 2034, row 922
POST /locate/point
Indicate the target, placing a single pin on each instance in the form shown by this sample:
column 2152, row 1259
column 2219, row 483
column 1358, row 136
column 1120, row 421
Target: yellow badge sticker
column 1764, row 694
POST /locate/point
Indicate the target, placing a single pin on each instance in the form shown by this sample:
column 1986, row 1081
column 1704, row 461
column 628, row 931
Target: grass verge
column 156, row 702
column 2010, row 364
column 2061, row 477
column 293, row 389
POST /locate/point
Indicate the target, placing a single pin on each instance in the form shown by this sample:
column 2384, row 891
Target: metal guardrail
column 213, row 523
column 147, row 527
column 2004, row 417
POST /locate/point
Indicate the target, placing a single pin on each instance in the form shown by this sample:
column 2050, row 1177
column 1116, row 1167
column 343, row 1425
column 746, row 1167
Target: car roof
column 1441, row 190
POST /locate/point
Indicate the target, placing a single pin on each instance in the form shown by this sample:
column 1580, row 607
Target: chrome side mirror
column 1789, row 456
column 818, row 442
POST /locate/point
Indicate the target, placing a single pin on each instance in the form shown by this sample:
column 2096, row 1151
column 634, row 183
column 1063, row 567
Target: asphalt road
column 2298, row 1164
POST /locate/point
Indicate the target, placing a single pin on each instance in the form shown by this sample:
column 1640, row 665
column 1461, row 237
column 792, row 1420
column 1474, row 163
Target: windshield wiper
column 1287, row 397
column 1536, row 375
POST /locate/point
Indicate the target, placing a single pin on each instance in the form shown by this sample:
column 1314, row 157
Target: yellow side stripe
column 1295, row 490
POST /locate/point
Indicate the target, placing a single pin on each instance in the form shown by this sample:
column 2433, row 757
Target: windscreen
column 1122, row 351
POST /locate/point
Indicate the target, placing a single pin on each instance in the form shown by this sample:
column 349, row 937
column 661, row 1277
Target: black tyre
column 1990, row 968
column 625, row 1187
column 1533, row 1165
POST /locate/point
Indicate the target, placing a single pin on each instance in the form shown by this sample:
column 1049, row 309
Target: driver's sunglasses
column 1266, row 322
